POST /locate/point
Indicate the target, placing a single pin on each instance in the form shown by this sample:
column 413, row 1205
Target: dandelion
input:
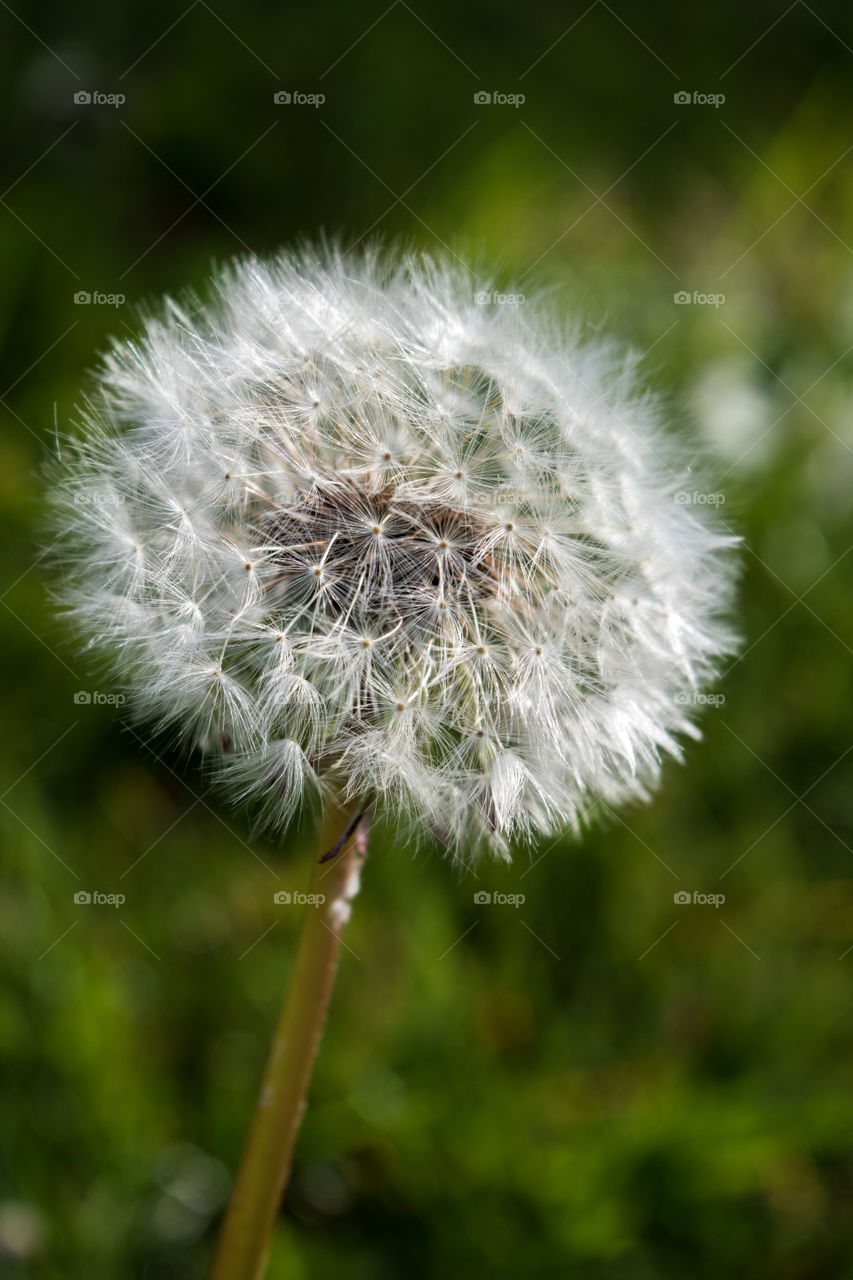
column 369, row 544
column 366, row 538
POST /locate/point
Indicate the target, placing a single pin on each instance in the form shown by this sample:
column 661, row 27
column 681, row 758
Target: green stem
column 244, row 1238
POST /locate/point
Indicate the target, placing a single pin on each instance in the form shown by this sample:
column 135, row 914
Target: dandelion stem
column 244, row 1238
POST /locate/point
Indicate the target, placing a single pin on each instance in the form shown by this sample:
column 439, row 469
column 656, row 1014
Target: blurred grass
column 598, row 1082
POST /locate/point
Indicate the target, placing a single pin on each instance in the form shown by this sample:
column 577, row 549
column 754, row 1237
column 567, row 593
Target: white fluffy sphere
column 354, row 532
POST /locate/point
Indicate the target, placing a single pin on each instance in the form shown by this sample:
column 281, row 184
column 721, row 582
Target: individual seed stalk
column 244, row 1238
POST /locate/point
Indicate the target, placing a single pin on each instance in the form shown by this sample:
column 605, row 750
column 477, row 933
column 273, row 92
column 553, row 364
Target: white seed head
column 348, row 530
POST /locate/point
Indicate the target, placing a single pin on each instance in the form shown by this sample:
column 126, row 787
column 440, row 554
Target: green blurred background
column 600, row 1082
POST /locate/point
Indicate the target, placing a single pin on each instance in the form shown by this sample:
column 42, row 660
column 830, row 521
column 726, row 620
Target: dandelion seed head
column 357, row 534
